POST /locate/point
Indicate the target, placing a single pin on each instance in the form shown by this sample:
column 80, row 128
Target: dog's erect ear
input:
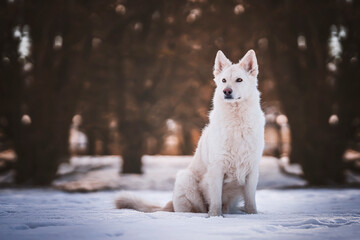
column 249, row 63
column 221, row 62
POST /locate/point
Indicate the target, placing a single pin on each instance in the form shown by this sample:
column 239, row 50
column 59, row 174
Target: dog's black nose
column 227, row 92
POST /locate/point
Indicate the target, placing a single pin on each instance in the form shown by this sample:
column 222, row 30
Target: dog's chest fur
column 239, row 142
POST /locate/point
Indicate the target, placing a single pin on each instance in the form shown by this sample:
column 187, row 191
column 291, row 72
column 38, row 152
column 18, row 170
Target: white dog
column 225, row 167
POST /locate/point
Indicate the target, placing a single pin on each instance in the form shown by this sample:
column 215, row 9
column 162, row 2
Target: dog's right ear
column 221, row 62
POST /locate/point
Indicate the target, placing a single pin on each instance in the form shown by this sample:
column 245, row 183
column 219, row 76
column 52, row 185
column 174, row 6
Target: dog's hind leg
column 187, row 196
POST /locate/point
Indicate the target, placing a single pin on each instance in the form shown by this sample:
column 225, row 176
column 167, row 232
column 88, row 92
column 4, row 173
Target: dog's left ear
column 249, row 63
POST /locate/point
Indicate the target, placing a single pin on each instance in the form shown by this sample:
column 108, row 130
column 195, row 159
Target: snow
column 284, row 213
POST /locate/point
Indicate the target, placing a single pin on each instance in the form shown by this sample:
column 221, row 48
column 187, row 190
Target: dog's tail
column 130, row 201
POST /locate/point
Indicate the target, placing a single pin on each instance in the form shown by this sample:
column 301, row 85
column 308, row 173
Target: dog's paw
column 215, row 214
column 251, row 210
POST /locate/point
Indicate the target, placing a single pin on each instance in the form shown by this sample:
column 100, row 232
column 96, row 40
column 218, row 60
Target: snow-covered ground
column 284, row 214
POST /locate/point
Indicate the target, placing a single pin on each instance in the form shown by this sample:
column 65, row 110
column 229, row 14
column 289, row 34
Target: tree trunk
column 131, row 160
column 306, row 94
column 133, row 146
column 43, row 143
column 319, row 148
column 105, row 141
column 40, row 148
column 91, row 140
column 187, row 147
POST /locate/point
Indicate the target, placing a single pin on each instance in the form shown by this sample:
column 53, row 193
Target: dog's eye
column 224, row 80
column 239, row 80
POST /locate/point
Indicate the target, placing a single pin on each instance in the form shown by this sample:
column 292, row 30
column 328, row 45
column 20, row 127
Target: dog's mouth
column 231, row 98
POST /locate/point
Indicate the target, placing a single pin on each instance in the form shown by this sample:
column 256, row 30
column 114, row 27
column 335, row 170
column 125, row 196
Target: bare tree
column 57, row 45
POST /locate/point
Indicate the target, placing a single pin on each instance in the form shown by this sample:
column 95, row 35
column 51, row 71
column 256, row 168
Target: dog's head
column 235, row 82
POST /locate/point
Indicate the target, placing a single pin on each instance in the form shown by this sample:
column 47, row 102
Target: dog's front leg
column 214, row 179
column 250, row 190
